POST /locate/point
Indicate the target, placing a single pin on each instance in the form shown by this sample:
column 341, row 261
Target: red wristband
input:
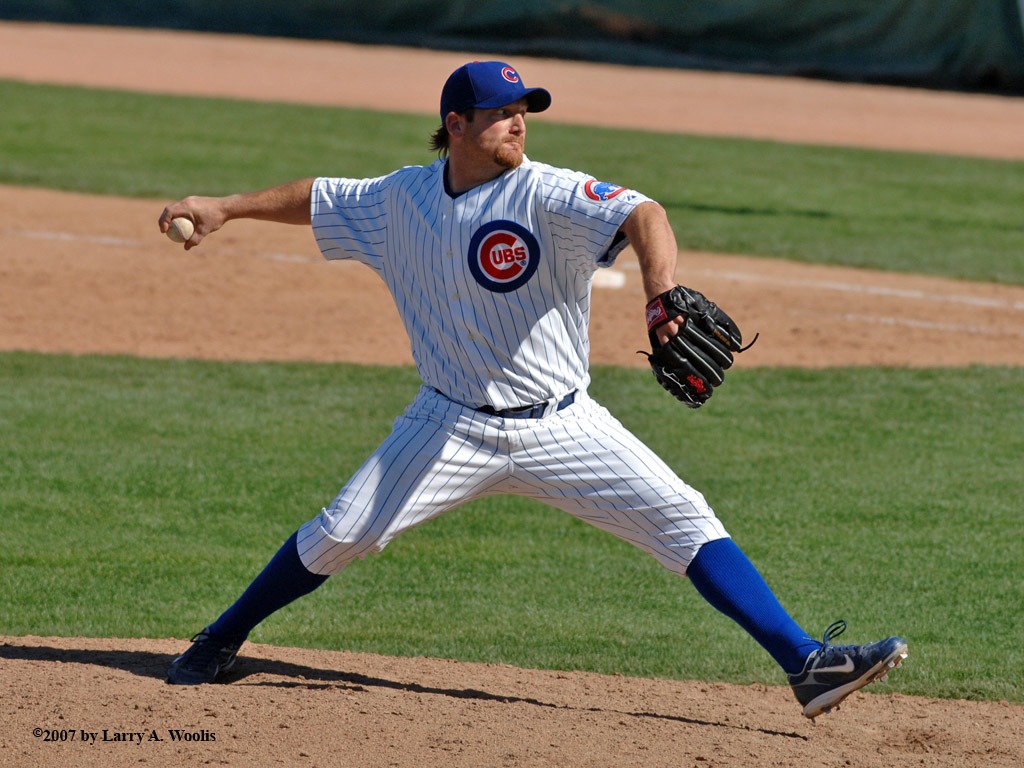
column 656, row 314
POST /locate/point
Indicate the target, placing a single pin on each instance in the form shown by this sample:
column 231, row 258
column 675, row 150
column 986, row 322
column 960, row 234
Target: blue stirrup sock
column 726, row 578
column 721, row 573
column 282, row 581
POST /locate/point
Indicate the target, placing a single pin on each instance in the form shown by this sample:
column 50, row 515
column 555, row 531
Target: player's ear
column 455, row 123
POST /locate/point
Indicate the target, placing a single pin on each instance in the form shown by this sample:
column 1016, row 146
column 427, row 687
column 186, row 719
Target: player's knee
column 326, row 550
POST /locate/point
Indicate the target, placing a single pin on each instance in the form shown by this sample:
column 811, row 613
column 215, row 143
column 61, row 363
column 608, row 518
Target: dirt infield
column 261, row 292
column 295, row 707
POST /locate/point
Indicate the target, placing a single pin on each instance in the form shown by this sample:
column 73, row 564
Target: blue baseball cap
column 487, row 85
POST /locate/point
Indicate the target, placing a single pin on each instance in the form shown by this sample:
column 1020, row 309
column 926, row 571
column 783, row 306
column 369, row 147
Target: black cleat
column 204, row 661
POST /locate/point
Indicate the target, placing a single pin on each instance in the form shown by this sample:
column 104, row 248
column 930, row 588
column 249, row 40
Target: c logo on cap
column 503, row 256
column 510, row 74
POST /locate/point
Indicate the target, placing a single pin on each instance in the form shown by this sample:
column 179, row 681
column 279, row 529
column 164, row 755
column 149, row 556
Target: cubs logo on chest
column 503, row 256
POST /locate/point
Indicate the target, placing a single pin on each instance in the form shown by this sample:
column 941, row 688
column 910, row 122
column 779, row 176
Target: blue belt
column 530, row 411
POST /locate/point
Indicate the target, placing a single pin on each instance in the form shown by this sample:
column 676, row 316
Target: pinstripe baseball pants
column 441, row 454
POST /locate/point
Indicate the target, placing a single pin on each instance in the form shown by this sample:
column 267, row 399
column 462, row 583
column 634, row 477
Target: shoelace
column 828, row 651
column 835, row 629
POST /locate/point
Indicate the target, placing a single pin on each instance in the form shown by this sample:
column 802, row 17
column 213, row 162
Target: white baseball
column 181, row 229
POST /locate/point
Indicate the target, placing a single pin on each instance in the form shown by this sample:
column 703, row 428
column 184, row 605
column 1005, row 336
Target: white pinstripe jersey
column 493, row 285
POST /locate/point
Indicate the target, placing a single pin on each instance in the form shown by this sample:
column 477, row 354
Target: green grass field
column 937, row 215
column 138, row 497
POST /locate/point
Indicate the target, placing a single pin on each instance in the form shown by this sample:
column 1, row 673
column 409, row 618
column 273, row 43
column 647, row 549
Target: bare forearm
column 285, row 204
column 651, row 236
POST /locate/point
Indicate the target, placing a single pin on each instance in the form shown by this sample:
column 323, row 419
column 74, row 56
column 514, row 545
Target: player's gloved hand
column 693, row 362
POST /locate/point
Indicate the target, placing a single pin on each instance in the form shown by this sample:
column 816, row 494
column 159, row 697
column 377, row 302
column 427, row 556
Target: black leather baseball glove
column 694, row 361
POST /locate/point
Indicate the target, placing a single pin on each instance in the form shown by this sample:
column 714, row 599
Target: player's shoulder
column 413, row 173
column 404, row 175
column 553, row 181
column 553, row 173
column 569, row 185
column 435, row 167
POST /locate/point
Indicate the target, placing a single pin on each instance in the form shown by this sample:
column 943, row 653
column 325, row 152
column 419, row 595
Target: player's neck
column 460, row 177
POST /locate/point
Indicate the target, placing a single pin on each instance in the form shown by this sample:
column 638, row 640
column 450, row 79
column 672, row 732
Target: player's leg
column 821, row 674
column 428, row 464
column 585, row 462
column 436, row 458
column 214, row 649
column 621, row 486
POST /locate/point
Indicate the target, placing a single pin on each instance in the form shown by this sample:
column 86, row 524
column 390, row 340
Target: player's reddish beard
column 510, row 153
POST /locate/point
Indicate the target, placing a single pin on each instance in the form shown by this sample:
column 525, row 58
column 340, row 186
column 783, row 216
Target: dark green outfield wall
column 973, row 44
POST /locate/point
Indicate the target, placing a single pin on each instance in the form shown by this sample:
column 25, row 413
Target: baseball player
column 490, row 257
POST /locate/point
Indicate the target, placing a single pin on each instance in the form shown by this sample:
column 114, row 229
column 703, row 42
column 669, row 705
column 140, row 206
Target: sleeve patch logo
column 503, row 256
column 602, row 191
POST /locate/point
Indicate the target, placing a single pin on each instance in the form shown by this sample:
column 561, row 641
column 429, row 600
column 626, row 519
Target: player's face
column 499, row 135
